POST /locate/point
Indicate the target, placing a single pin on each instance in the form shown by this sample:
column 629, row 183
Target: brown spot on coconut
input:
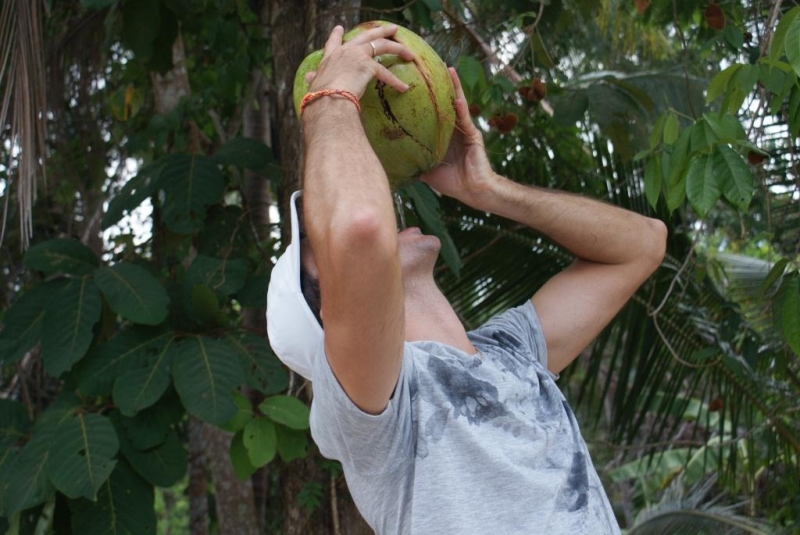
column 424, row 114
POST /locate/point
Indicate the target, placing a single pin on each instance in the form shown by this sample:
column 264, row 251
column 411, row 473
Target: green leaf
column 733, row 36
column 97, row 4
column 8, row 459
column 671, row 129
column 472, row 76
column 658, row 131
column 433, row 5
column 205, row 372
column 124, row 506
column 776, row 48
column 133, row 293
column 259, row 439
column 244, row 414
column 190, row 183
column 163, row 466
column 141, row 25
column 223, row 276
column 571, row 107
column 653, row 180
column 28, row 481
column 23, row 321
column 252, row 293
column 204, row 306
column 82, row 452
column 286, row 410
column 61, row 255
column 70, row 317
column 134, row 192
column 735, row 176
column 790, row 313
column 150, row 427
column 728, row 129
column 292, row 444
column 244, row 152
column 14, row 422
column 138, row 388
column 720, row 83
column 792, row 46
column 774, row 274
column 240, row 458
column 129, row 349
column 702, row 187
column 263, row 371
column 427, row 206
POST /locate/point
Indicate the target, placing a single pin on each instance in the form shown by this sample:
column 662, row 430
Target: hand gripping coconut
column 410, row 131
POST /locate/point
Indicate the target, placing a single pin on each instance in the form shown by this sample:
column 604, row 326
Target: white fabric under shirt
column 469, row 444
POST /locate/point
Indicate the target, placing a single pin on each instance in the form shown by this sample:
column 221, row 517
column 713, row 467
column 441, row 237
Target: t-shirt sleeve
column 368, row 444
column 515, row 326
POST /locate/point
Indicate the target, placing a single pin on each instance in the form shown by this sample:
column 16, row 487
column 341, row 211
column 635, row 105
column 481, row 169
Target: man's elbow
column 656, row 245
column 365, row 230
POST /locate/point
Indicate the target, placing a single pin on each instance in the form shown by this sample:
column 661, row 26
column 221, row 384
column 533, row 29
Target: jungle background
column 149, row 148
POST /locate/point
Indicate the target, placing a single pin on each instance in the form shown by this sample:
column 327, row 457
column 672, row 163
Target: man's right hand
column 351, row 66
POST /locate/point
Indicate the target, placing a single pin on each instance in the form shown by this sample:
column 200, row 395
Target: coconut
column 410, row 131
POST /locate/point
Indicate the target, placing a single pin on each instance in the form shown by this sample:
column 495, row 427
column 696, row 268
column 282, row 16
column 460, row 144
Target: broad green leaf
column 133, row 293
column 286, row 410
column 190, row 183
column 14, row 423
column 61, row 255
column 734, row 176
column 720, row 83
column 97, row 4
column 244, row 414
column 134, row 192
column 124, row 506
column 427, row 206
column 776, row 48
column 653, row 180
column 252, row 294
column 671, row 129
column 472, row 76
column 262, row 369
column 205, row 372
column 8, row 459
column 433, row 5
column 259, row 439
column 163, row 465
column 150, row 427
column 658, row 131
column 772, row 78
column 774, row 274
column 733, row 36
column 139, row 388
column 23, row 321
column 82, row 452
column 223, row 276
column 790, row 314
column 571, row 107
column 70, row 317
column 127, row 350
column 244, row 152
column 292, row 444
column 28, row 481
column 141, row 23
column 204, row 306
column 727, row 128
column 702, row 187
column 240, row 458
column 792, row 45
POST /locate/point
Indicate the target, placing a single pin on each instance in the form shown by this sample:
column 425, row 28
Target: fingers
column 463, row 117
column 334, row 40
column 309, row 77
column 379, row 32
column 385, row 75
column 386, row 46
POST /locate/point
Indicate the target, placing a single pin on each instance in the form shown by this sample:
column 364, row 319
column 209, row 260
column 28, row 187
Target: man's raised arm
column 616, row 249
column 350, row 222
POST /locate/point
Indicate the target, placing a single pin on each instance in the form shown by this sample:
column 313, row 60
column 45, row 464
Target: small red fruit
column 474, row 110
column 755, row 158
column 715, row 405
column 715, row 17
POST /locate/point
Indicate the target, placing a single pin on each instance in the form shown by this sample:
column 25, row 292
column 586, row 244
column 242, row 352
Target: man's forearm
column 590, row 229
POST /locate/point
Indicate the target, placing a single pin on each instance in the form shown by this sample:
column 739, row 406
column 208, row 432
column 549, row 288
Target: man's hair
column 308, row 285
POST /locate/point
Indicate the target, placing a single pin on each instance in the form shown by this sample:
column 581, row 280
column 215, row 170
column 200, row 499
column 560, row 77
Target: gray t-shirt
column 468, row 444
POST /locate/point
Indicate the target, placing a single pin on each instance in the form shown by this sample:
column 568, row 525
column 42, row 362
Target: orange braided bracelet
column 311, row 97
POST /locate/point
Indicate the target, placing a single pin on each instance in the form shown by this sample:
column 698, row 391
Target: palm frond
column 682, row 512
column 22, row 114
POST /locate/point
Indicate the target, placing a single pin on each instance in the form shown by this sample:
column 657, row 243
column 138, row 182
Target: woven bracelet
column 311, row 97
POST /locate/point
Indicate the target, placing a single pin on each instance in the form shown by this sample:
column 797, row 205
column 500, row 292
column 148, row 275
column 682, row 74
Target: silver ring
column 374, row 51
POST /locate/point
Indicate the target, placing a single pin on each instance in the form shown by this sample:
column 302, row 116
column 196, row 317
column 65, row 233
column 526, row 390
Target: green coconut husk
column 410, row 131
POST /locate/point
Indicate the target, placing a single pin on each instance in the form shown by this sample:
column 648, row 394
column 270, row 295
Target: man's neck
column 429, row 316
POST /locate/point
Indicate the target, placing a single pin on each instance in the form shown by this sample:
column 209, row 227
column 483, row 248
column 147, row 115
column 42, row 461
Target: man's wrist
column 330, row 111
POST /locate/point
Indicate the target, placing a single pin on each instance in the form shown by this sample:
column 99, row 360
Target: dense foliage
column 133, row 326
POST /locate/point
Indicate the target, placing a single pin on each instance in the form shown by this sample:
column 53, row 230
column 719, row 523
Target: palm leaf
column 22, row 74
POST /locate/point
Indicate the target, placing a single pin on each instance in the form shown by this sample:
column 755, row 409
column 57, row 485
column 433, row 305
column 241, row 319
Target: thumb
column 309, row 76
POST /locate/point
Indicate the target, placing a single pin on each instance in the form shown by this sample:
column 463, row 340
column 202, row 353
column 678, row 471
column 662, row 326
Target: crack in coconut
column 387, row 111
column 429, row 87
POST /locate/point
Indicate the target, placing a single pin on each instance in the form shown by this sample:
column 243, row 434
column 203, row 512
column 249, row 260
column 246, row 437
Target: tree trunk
column 298, row 28
column 196, row 490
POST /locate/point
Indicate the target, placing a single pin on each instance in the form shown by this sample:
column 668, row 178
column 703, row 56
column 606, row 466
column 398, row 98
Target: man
column 440, row 430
